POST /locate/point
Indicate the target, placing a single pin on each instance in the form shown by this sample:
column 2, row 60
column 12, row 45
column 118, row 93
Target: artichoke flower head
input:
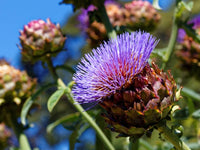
column 117, row 75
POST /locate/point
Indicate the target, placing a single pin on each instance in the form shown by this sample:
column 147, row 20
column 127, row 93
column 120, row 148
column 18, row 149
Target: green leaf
column 196, row 114
column 182, row 7
column 55, row 97
column 76, row 134
column 156, row 4
column 13, row 148
column 28, row 103
column 190, row 93
column 65, row 119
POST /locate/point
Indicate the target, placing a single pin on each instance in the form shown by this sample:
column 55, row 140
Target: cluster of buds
column 117, row 75
column 5, row 134
column 135, row 15
column 15, row 87
column 189, row 50
column 40, row 38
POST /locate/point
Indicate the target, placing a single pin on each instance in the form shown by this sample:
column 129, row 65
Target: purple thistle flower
column 83, row 18
column 112, row 66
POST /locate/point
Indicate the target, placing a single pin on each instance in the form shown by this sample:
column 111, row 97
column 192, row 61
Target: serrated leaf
column 55, row 97
column 64, row 119
column 28, row 103
column 196, row 114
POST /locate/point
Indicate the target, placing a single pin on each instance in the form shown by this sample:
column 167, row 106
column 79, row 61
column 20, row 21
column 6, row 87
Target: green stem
column 145, row 144
column 78, row 107
column 51, row 67
column 134, row 145
column 172, row 40
column 86, row 116
column 171, row 137
column 101, row 123
column 17, row 128
column 104, row 17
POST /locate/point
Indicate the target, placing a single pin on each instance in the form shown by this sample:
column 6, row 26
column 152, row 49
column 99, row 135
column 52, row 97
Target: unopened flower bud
column 141, row 15
column 39, row 38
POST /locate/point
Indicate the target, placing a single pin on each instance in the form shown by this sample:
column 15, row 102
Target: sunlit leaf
column 190, row 93
column 196, row 114
column 55, row 97
column 156, row 4
column 182, row 7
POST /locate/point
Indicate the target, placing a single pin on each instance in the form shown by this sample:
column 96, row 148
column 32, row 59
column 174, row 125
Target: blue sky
column 15, row 14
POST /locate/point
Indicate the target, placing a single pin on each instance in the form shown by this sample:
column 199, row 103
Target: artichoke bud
column 13, row 94
column 39, row 38
column 141, row 15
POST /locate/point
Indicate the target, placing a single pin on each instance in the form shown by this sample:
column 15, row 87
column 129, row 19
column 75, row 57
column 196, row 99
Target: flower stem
column 86, row 116
column 172, row 40
column 171, row 137
column 17, row 128
column 134, row 145
column 104, row 17
column 78, row 107
column 51, row 67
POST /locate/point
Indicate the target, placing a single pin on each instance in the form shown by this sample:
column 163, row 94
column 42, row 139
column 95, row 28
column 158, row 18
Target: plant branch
column 104, row 17
column 86, row 116
column 134, row 145
column 171, row 137
column 172, row 40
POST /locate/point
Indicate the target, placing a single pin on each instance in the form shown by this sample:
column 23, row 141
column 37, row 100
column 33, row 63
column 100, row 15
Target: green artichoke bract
column 142, row 104
column 40, row 38
column 15, row 87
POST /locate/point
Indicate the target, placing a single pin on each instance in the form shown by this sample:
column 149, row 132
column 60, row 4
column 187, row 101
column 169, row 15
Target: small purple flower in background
column 112, row 66
column 189, row 50
column 83, row 18
column 118, row 77
column 196, row 26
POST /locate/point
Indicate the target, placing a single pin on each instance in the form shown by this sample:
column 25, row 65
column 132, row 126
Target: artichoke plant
column 134, row 95
column 15, row 87
column 40, row 38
